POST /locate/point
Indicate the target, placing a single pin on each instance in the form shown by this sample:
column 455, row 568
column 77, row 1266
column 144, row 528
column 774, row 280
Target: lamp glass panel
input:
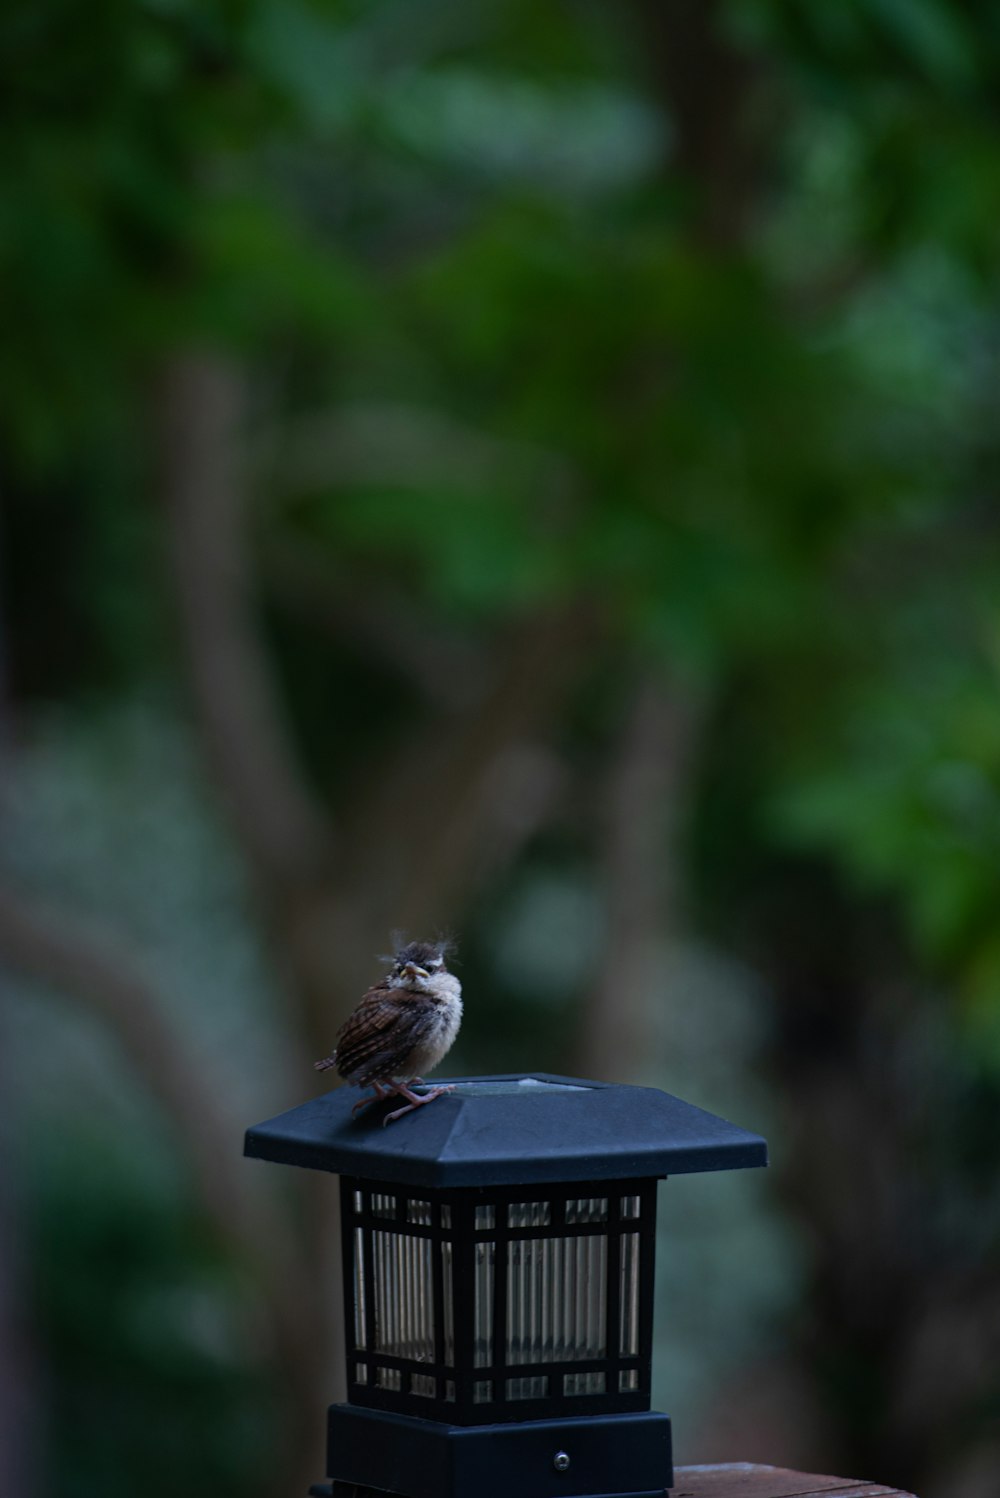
column 449, row 1302
column 536, row 1387
column 584, row 1383
column 359, row 1288
column 529, row 1214
column 404, row 1318
column 482, row 1347
column 587, row 1209
column 556, row 1299
column 629, row 1296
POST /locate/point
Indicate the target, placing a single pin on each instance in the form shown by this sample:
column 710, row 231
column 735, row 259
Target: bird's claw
column 415, row 1102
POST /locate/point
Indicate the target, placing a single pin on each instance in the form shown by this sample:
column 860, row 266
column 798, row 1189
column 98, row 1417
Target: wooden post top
column 727, row 1480
column 744, row 1480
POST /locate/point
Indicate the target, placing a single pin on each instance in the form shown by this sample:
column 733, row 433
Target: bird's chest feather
column 441, row 1025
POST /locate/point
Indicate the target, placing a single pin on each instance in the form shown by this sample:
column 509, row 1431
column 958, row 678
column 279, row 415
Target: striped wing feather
column 377, row 1039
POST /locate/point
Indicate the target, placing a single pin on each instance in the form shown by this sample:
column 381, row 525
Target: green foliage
column 585, row 401
column 494, row 365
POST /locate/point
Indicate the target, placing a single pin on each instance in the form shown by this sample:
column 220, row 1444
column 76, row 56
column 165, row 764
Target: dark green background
column 529, row 469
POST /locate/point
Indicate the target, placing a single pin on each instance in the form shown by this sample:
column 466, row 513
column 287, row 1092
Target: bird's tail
column 326, row 1063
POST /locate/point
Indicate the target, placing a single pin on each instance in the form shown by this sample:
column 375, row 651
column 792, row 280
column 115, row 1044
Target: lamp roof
column 509, row 1130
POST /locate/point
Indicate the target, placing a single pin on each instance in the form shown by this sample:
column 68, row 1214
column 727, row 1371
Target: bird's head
column 418, row 964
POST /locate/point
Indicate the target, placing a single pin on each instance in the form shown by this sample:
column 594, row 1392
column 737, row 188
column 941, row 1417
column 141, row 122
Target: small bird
column 403, row 1026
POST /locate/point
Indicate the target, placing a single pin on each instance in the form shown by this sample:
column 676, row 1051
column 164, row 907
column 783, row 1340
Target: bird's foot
column 415, row 1100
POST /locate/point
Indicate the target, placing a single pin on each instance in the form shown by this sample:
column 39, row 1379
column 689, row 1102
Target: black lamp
column 498, row 1281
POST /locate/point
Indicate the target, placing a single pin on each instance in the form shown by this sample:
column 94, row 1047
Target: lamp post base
column 595, row 1456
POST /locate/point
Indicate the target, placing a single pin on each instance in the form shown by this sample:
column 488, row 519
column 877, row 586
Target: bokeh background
column 527, row 468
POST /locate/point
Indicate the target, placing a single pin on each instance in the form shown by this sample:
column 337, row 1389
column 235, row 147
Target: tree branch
column 441, row 787
column 280, row 825
column 454, row 800
column 53, row 949
column 396, row 443
column 447, row 669
column 299, row 1335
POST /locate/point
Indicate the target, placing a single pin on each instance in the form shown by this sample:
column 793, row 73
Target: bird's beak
column 412, row 971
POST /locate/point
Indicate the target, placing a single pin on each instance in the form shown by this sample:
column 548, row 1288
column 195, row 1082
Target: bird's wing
column 377, row 1038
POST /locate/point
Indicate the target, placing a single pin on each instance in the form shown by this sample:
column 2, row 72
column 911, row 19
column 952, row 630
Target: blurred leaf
column 935, row 35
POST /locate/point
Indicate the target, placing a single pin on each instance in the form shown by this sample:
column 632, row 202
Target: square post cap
column 528, row 1129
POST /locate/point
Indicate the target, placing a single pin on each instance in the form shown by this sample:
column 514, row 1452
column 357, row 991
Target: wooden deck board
column 726, row 1480
column 744, row 1480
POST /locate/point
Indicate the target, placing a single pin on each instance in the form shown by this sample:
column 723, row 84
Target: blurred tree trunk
column 903, row 1314
column 642, row 806
column 710, row 89
column 707, row 87
column 903, row 1272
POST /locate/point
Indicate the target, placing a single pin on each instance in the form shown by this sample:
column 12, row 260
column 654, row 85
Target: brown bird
column 403, row 1026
